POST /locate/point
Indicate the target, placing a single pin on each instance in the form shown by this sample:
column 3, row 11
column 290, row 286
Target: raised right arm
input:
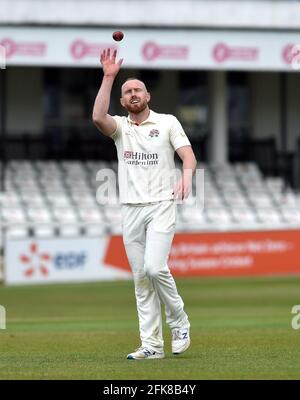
column 103, row 121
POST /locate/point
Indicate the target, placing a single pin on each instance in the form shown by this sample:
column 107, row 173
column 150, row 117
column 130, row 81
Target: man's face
column 135, row 97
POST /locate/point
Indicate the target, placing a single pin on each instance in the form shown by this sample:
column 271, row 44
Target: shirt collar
column 150, row 120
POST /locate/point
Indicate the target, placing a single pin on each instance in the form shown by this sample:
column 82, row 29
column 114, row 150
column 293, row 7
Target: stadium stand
column 48, row 198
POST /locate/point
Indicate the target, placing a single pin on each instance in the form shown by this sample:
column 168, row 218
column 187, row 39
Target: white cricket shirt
column 146, row 169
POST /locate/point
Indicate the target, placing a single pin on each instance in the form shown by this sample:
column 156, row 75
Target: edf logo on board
column 69, row 260
column 40, row 263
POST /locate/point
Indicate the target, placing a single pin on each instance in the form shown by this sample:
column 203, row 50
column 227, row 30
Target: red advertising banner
column 224, row 254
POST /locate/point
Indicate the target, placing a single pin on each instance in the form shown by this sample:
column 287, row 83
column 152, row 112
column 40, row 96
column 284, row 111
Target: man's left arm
column 184, row 186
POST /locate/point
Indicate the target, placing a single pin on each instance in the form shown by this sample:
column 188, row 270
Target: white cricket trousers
column 148, row 231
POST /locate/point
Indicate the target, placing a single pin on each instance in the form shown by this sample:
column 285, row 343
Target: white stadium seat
column 26, row 183
column 213, row 200
column 58, row 199
column 247, row 169
column 15, row 222
column 288, row 199
column 291, row 215
column 42, row 221
column 230, row 185
column 244, row 216
column 260, row 199
column 68, row 221
column 235, row 199
column 14, row 214
column 83, row 199
column 9, row 199
column 269, row 215
column 275, row 185
column 219, row 216
column 33, row 198
column 113, row 213
column 113, row 218
column 190, row 214
column 94, row 221
column 91, row 215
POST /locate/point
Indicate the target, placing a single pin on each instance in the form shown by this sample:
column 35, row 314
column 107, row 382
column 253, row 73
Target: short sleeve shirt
column 146, row 170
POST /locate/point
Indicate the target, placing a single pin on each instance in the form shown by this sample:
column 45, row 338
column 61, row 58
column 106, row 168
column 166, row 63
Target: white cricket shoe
column 142, row 353
column 180, row 340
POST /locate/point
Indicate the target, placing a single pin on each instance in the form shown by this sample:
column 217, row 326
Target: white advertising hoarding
column 36, row 261
column 246, row 253
column 153, row 48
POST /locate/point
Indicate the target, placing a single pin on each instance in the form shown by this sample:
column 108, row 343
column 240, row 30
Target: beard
column 137, row 108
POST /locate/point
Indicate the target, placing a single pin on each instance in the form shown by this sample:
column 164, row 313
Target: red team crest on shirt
column 127, row 154
column 154, row 133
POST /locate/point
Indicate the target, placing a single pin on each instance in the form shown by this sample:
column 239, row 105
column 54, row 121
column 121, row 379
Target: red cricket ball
column 118, row 36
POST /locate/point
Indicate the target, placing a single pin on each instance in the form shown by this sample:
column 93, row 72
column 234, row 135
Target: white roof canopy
column 253, row 14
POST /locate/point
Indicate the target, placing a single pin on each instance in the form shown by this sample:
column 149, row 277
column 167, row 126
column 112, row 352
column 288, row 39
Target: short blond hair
column 133, row 79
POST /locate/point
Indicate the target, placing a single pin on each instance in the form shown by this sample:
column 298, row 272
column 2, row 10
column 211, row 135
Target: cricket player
column 146, row 142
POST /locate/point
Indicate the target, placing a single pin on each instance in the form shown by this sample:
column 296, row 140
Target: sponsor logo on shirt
column 139, row 158
column 154, row 133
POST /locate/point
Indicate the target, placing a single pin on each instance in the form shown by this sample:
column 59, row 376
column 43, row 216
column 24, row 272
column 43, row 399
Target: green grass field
column 241, row 329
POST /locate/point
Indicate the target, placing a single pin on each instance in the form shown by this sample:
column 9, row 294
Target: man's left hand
column 182, row 189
